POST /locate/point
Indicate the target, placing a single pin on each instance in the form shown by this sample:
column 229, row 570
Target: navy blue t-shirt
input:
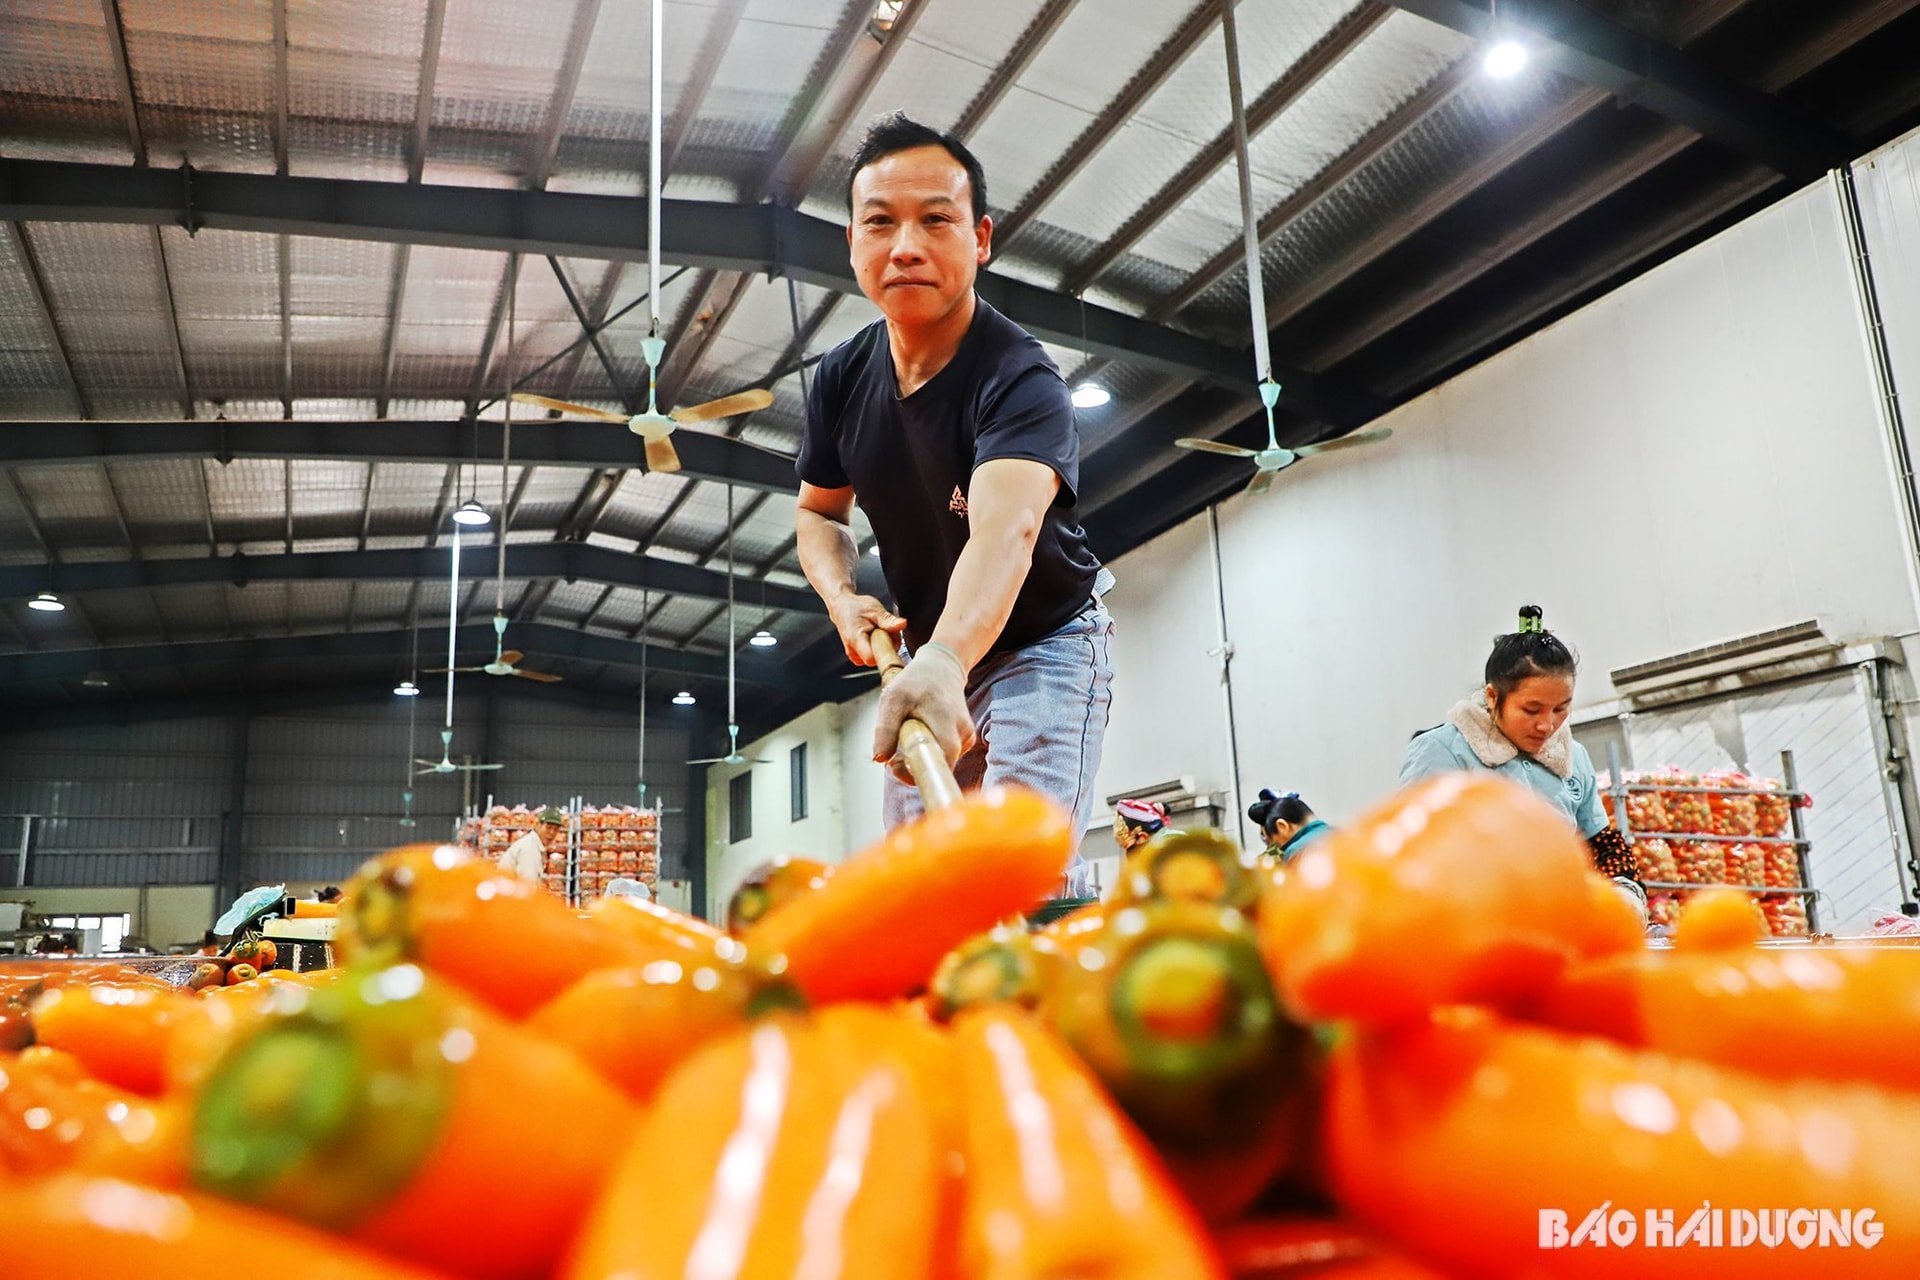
column 911, row 462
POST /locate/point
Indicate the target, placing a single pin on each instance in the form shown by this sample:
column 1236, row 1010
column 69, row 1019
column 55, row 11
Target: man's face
column 914, row 243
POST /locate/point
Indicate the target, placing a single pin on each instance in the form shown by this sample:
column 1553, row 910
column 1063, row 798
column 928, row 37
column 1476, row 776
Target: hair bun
column 1267, row 795
column 1533, row 611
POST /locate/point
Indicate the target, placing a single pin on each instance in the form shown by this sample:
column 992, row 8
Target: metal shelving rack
column 1618, row 790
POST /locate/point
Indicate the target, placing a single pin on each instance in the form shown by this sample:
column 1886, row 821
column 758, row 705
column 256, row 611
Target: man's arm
column 829, row 556
column 1007, row 501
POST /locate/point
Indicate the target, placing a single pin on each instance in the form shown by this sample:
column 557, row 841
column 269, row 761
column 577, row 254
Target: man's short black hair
column 895, row 133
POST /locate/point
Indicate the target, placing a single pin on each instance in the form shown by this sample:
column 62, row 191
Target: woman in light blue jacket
column 1517, row 727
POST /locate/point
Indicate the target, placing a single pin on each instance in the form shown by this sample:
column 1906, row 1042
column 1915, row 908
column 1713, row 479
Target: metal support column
column 1225, row 654
column 233, row 823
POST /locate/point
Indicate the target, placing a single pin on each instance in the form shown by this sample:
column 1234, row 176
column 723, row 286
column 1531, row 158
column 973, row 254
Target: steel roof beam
column 700, row 77
column 416, row 166
column 568, row 561
column 1026, row 47
column 123, row 78
column 1262, row 111
column 841, row 46
column 1578, row 42
column 37, row 286
column 542, row 442
column 543, row 640
column 1167, row 59
column 803, row 164
column 753, row 238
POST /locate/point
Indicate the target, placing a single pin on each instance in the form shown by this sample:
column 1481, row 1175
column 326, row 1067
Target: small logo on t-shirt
column 958, row 502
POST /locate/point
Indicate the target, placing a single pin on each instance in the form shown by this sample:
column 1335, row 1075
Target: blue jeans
column 1041, row 714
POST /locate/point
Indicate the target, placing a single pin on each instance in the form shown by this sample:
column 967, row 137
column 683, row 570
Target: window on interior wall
column 112, row 928
column 740, row 807
column 797, row 780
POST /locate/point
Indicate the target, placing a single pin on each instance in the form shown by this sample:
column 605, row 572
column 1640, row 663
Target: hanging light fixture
column 1090, row 395
column 874, row 550
column 1506, row 57
column 47, row 602
column 406, row 689
column 471, row 513
column 683, row 699
column 885, row 14
column 763, row 639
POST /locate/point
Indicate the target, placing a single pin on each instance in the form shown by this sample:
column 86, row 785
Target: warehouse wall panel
column 144, row 803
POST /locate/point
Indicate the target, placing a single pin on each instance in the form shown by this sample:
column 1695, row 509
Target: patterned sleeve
column 1612, row 855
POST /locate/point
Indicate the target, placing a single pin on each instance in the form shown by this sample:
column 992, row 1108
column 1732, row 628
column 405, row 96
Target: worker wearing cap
column 1137, row 821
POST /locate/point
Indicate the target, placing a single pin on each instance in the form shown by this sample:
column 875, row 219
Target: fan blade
column 725, row 407
column 710, row 760
column 661, row 456
column 511, row 657
column 1262, row 481
column 1373, row 436
column 459, row 671
column 568, row 406
column 1214, row 446
column 542, row 676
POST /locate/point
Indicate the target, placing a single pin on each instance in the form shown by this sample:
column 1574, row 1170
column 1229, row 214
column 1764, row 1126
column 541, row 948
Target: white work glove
column 1632, row 892
column 933, row 690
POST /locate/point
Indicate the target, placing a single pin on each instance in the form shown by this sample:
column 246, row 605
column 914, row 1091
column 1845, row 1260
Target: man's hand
column 933, row 690
column 855, row 617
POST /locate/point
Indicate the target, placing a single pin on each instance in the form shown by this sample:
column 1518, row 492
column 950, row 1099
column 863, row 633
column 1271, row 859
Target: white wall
column 862, row 782
column 820, row 835
column 1691, row 458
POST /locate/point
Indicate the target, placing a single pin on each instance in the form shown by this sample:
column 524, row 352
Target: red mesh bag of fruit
column 1782, row 866
column 1700, row 862
column 1655, row 860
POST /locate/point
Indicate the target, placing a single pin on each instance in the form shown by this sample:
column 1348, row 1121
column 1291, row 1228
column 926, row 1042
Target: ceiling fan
column 733, row 755
column 445, row 763
column 653, row 426
column 1272, row 460
column 506, row 662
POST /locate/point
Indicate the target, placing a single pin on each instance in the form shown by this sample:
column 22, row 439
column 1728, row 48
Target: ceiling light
column 764, row 639
column 406, row 689
column 885, row 14
column 1505, row 59
column 1090, row 395
column 94, row 681
column 46, row 602
column 683, row 699
column 471, row 512
column 874, row 550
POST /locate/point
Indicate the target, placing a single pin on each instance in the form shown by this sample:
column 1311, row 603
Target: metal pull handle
column 925, row 760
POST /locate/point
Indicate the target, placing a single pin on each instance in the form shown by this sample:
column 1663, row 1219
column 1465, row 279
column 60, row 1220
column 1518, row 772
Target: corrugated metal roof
column 503, row 104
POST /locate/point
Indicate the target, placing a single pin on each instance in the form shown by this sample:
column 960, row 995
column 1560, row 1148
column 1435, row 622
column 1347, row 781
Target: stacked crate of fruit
column 617, row 841
column 1753, row 848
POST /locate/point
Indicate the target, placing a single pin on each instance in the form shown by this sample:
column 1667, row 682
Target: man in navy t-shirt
column 954, row 431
